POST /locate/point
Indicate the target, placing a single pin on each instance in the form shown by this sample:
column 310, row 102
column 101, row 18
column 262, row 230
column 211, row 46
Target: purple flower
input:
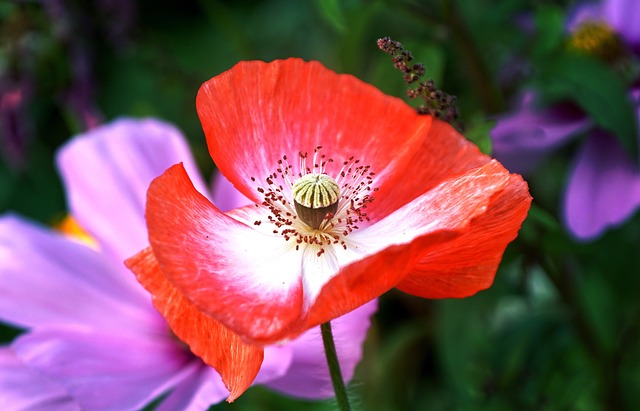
column 93, row 340
column 603, row 188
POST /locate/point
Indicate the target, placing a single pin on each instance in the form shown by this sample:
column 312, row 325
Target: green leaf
column 479, row 133
column 598, row 90
column 331, row 11
column 549, row 21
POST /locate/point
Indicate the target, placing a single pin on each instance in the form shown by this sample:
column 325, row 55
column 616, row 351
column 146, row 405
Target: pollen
column 310, row 208
column 596, row 38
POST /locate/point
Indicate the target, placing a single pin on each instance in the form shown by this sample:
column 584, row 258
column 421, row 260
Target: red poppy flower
column 354, row 194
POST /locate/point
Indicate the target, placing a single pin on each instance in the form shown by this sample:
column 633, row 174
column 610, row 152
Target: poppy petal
column 237, row 363
column 467, row 264
column 444, row 154
column 392, row 247
column 256, row 113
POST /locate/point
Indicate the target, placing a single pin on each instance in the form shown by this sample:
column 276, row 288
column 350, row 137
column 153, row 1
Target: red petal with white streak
column 391, row 247
column 257, row 112
column 245, row 279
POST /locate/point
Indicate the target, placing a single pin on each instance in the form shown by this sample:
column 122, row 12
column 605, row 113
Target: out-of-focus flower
column 14, row 127
column 355, row 193
column 603, row 189
column 93, row 340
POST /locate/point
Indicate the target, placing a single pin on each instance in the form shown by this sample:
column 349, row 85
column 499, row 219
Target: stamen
column 314, row 209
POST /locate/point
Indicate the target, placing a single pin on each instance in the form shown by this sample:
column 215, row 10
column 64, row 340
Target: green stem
column 334, row 367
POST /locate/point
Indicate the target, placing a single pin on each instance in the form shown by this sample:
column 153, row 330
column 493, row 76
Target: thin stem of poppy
column 334, row 367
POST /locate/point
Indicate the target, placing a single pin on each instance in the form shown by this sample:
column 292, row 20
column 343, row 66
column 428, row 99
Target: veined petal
column 107, row 171
column 245, row 279
column 468, row 264
column 444, row 154
column 238, row 363
column 103, row 370
column 256, row 113
column 47, row 279
column 25, row 389
column 603, row 188
column 389, row 249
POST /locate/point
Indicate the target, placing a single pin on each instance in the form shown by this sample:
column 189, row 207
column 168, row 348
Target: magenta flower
column 93, row 340
column 603, row 188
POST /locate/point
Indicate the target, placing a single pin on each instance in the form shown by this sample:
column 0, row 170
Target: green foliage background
column 559, row 329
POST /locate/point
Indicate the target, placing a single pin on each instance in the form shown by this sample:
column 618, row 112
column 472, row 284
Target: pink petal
column 524, row 138
column 225, row 196
column 277, row 360
column 202, row 389
column 103, row 370
column 603, row 189
column 106, row 172
column 47, row 279
column 308, row 375
column 623, row 16
column 25, row 389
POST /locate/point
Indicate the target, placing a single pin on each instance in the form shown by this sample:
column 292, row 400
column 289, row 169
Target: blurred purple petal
column 603, row 188
column 624, row 17
column 198, row 392
column 308, row 376
column 582, row 13
column 47, row 279
column 103, row 370
column 523, row 138
column 24, row 389
column 621, row 15
column 106, row 172
column 225, row 196
column 276, row 363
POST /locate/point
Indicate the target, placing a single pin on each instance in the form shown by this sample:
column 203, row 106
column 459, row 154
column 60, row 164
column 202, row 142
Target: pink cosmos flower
column 354, row 193
column 603, row 188
column 93, row 340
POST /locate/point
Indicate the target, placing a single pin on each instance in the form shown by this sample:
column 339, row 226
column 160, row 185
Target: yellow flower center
column 70, row 227
column 597, row 39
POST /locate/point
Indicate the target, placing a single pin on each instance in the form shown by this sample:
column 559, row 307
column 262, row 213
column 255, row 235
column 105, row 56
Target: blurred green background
column 559, row 329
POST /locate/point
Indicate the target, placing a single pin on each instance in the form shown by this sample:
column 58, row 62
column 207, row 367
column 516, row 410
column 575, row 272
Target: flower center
column 597, row 39
column 315, row 197
column 310, row 208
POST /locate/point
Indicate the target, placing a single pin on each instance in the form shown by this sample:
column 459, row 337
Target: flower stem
column 334, row 367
